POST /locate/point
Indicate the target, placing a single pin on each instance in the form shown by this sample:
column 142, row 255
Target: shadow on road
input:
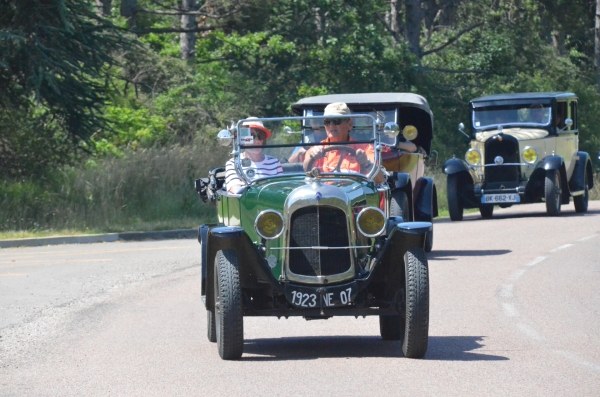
column 566, row 212
column 449, row 348
column 446, row 255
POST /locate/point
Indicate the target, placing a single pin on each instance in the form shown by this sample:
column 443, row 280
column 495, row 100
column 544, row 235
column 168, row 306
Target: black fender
column 583, row 168
column 401, row 181
column 454, row 166
column 253, row 268
column 425, row 200
column 555, row 162
column 552, row 163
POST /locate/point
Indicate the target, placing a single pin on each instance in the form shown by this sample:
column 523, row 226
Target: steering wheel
column 342, row 148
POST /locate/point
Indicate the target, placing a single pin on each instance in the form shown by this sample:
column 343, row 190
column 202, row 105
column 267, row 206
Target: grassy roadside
column 148, row 190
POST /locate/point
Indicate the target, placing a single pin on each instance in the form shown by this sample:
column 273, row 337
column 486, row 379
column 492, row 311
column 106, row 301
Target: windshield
column 526, row 115
column 295, row 145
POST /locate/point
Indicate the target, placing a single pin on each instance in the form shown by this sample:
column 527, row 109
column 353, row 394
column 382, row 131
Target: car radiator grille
column 319, row 226
column 508, row 150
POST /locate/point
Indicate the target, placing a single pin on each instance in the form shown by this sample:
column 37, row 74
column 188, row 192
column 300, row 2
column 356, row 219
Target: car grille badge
column 498, row 160
column 318, row 196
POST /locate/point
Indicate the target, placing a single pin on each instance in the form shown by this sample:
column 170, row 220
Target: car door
column 567, row 141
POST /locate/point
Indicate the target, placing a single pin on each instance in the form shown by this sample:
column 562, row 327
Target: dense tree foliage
column 200, row 64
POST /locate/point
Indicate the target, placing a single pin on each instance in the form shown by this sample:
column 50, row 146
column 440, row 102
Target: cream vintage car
column 524, row 149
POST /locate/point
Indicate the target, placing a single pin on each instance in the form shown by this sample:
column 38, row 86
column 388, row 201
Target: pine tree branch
column 452, row 40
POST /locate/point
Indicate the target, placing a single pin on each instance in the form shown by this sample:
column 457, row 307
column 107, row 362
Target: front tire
column 581, row 202
column 229, row 319
column 455, row 204
column 416, row 329
column 552, row 192
column 486, row 211
column 399, row 205
column 429, row 240
column 211, row 330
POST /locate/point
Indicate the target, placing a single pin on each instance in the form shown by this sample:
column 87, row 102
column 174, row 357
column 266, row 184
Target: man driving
column 338, row 130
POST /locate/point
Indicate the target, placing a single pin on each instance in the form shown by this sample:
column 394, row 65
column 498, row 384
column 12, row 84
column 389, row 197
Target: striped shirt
column 269, row 166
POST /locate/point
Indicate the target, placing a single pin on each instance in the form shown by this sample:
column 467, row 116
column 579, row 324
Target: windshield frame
column 239, row 146
column 519, row 110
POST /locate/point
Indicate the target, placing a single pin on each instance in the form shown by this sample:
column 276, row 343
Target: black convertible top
column 365, row 99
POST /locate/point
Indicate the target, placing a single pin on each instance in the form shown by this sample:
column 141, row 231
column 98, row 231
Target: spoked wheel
column 552, row 192
column 229, row 319
column 486, row 211
column 416, row 331
column 581, row 202
column 455, row 204
column 399, row 205
column 211, row 331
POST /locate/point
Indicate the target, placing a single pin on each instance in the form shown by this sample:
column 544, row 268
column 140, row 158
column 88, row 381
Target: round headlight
column 371, row 221
column 269, row 224
column 473, row 156
column 529, row 155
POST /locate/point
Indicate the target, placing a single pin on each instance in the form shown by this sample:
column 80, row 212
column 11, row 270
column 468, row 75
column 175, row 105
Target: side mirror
column 391, row 130
column 461, row 129
column 225, row 137
column 569, row 122
column 410, row 132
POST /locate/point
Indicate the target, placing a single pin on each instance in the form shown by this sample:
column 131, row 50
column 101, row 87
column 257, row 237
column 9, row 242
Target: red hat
column 250, row 122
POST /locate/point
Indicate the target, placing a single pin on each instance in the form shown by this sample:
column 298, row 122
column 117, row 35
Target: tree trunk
column 103, row 7
column 187, row 40
column 412, row 30
column 128, row 10
column 597, row 45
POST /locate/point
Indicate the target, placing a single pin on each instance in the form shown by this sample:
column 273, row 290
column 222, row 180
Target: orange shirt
column 349, row 163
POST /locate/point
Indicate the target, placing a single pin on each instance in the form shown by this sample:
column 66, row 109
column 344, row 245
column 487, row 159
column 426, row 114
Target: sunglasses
column 327, row 122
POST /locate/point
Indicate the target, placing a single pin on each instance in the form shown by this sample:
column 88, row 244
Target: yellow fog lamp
column 269, row 224
column 371, row 221
column 529, row 155
column 473, row 156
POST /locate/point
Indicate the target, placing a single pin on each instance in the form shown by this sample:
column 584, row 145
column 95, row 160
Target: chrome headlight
column 269, row 224
column 529, row 155
column 371, row 221
column 473, row 156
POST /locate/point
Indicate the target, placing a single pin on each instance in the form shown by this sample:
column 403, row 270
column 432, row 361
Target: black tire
column 429, row 240
column 391, row 327
column 581, row 202
column 486, row 211
column 211, row 330
column 455, row 204
column 552, row 192
column 229, row 318
column 416, row 331
column 399, row 205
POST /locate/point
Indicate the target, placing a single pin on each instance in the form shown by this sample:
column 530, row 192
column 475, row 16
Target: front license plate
column 500, row 198
column 313, row 297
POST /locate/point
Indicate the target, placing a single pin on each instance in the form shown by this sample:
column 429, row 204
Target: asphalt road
column 515, row 311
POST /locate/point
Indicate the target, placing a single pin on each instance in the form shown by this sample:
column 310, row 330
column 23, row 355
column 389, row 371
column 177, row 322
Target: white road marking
column 530, row 332
column 509, row 309
column 572, row 357
column 562, row 247
column 536, row 261
column 507, row 291
column 13, row 275
column 587, row 238
column 517, row 274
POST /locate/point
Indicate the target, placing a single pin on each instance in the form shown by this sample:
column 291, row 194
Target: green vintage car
column 312, row 242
